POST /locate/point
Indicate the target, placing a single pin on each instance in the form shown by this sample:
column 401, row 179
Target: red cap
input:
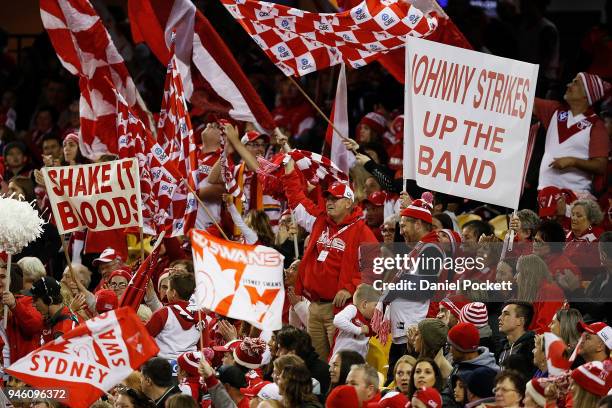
column 464, row 337
column 374, row 121
column 429, row 396
column 123, row 272
column 343, row 396
column 393, row 399
column 340, row 190
column 229, row 346
column 377, row 198
column 600, row 329
column 106, row 300
column 190, row 362
column 535, row 390
column 253, row 135
column 548, row 197
column 595, row 88
column 252, row 390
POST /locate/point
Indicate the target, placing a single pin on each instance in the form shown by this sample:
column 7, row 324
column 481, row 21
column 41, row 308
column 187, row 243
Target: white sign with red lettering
column 240, row 281
column 99, row 196
column 467, row 117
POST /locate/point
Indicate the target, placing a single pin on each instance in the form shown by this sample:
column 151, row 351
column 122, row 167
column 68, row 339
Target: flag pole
column 8, row 285
column 313, row 103
column 140, row 232
column 207, row 212
column 295, row 237
column 65, row 248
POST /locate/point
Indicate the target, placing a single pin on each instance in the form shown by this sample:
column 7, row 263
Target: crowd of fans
column 545, row 343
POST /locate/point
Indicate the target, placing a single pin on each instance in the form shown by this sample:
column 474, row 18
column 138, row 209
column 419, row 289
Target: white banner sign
column 467, row 117
column 100, row 196
column 240, row 281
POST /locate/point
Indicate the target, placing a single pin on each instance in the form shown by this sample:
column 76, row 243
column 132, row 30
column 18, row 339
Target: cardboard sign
column 99, row 196
column 467, row 117
column 240, row 281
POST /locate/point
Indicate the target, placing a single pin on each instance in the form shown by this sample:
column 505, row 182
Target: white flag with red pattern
column 175, row 135
column 85, row 49
column 300, row 42
column 90, row 359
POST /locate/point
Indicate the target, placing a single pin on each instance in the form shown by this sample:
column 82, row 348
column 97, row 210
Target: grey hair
column 369, row 373
column 32, row 267
column 592, row 210
column 82, row 272
column 529, row 219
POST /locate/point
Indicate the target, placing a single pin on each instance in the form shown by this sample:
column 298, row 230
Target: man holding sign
column 467, row 121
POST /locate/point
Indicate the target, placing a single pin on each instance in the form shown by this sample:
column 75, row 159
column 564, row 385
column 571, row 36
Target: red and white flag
column 175, row 134
column 339, row 154
column 227, row 174
column 300, row 42
column 90, row 359
column 85, row 49
column 158, row 175
column 152, row 21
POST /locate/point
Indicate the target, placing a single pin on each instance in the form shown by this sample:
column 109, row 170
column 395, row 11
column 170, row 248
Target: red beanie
column 429, row 396
column 420, row 209
column 121, row 272
column 536, row 391
column 106, row 300
column 190, row 362
column 594, row 377
column 343, row 396
column 594, row 87
column 250, row 352
column 375, row 121
column 475, row 313
column 464, row 337
column 455, row 239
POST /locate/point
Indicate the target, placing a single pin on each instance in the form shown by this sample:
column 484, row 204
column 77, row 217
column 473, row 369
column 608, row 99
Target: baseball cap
column 253, row 135
column 602, row 330
column 548, row 197
column 232, row 375
column 229, row 346
column 45, row 287
column 108, row 255
column 340, row 190
column 106, row 300
column 377, row 198
column 253, row 390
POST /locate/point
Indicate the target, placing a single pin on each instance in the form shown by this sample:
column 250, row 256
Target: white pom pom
column 19, row 225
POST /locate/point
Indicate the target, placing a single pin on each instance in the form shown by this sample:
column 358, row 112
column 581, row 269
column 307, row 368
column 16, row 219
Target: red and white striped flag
column 339, row 154
column 85, row 49
column 300, row 42
column 175, row 134
column 152, row 21
column 83, row 364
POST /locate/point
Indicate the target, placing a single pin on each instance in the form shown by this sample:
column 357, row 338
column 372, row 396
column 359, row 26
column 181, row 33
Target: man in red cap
column 596, row 341
column 576, row 146
column 375, row 212
column 329, row 272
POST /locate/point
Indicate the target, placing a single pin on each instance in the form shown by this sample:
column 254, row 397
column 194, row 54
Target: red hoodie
column 550, row 299
column 24, row 328
column 331, row 259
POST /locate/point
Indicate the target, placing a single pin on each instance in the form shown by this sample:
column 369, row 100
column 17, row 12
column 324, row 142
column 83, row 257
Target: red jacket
column 59, row 324
column 331, row 259
column 550, row 299
column 25, row 325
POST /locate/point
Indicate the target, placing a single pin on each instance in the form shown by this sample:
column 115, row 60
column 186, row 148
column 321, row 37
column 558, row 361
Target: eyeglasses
column 387, row 230
column 503, row 390
column 118, row 285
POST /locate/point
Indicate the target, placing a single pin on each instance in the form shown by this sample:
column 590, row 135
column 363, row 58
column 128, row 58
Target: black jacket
column 519, row 355
column 318, row 370
column 595, row 303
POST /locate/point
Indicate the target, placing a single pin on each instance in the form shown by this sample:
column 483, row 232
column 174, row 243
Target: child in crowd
column 353, row 322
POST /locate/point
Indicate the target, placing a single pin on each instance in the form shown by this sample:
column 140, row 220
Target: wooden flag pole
column 65, row 248
column 295, row 237
column 208, row 212
column 8, row 286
